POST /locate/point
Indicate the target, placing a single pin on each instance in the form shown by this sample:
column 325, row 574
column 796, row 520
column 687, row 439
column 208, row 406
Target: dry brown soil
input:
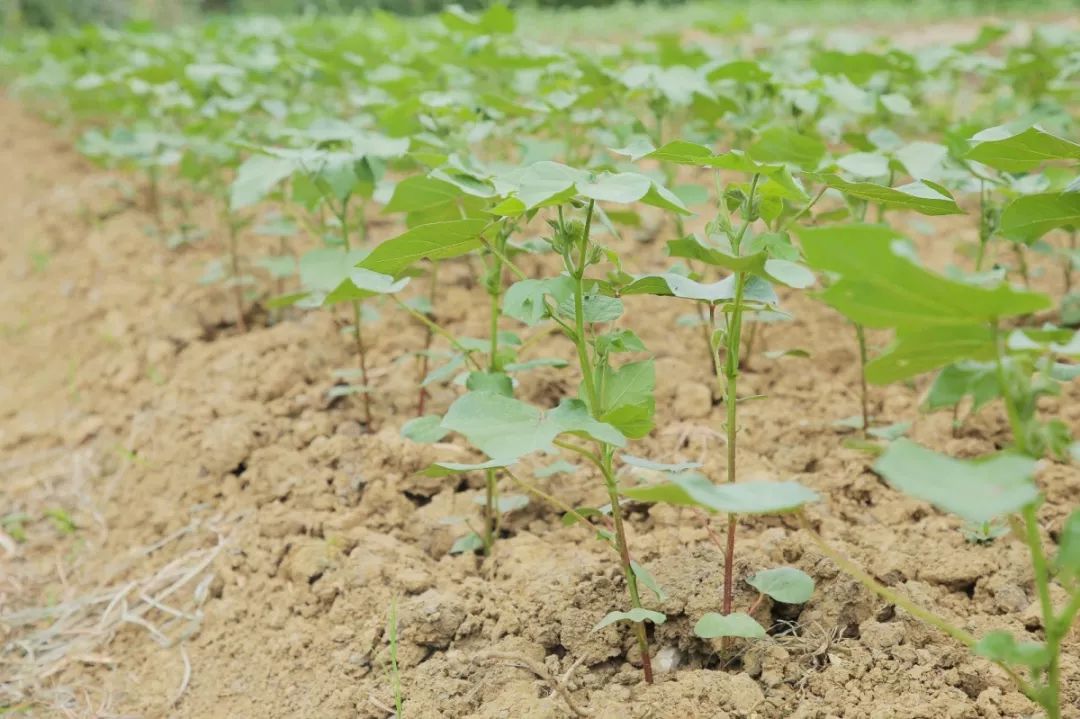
column 239, row 539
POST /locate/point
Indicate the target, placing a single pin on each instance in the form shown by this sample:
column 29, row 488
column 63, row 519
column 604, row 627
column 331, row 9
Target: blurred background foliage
column 65, row 13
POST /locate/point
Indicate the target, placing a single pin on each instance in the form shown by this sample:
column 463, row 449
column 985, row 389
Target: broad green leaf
column 694, row 490
column 784, row 584
column 1001, row 646
column 626, row 400
column 1022, row 151
column 864, row 164
column 424, row 430
column 1028, row 218
column 782, row 144
column 503, row 427
column 255, row 178
column 975, row 490
column 496, row 382
column 736, row 624
column 418, row 193
column 757, row 292
column 918, row 350
column 634, row 615
column 881, row 286
column 596, row 308
column 923, row 196
column 324, row 269
column 622, row 187
column 434, row 241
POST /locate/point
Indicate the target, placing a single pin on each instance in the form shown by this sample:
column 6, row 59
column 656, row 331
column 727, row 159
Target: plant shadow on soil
column 129, row 400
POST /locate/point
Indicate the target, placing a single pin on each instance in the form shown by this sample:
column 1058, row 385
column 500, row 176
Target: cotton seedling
column 938, row 321
column 343, row 165
column 1040, row 195
column 755, row 262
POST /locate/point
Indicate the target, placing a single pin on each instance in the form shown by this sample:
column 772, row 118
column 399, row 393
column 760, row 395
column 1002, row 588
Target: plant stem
column 984, row 227
column 395, row 673
column 607, row 452
column 1067, row 266
column 1051, row 697
column 419, row 316
column 1021, row 259
column 491, row 502
column 433, row 285
column 1016, row 423
column 806, row 208
column 860, row 335
column 358, row 332
column 579, row 314
column 624, row 557
column 234, row 271
column 733, row 337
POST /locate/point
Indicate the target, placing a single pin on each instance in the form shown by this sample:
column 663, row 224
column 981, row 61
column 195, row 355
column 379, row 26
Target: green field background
column 64, row 13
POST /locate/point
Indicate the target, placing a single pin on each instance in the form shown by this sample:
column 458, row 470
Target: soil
column 238, row 541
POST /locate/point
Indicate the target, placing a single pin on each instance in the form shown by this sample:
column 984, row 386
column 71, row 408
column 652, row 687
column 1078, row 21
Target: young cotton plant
column 938, row 321
column 614, row 403
column 1026, row 165
column 755, row 261
column 335, row 175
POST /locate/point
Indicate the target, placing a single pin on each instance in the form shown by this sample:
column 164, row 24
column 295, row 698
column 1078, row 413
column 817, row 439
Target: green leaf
column 782, row 144
column 644, row 577
column 1001, row 646
column 975, row 490
column 923, row 196
column 736, row 624
column 881, row 286
column 417, row 193
column 757, row 293
column 445, row 469
column 1067, row 561
column 781, row 271
column 626, row 400
column 1028, row 218
column 524, row 300
column 634, row 615
column 508, row 428
column 622, row 187
column 918, row 350
column 424, row 430
column 784, row 584
column 619, row 341
column 471, row 542
column 694, row 490
column 434, row 241
column 255, row 178
column 1022, row 151
column 956, row 381
column 864, row 164
column 495, row 382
